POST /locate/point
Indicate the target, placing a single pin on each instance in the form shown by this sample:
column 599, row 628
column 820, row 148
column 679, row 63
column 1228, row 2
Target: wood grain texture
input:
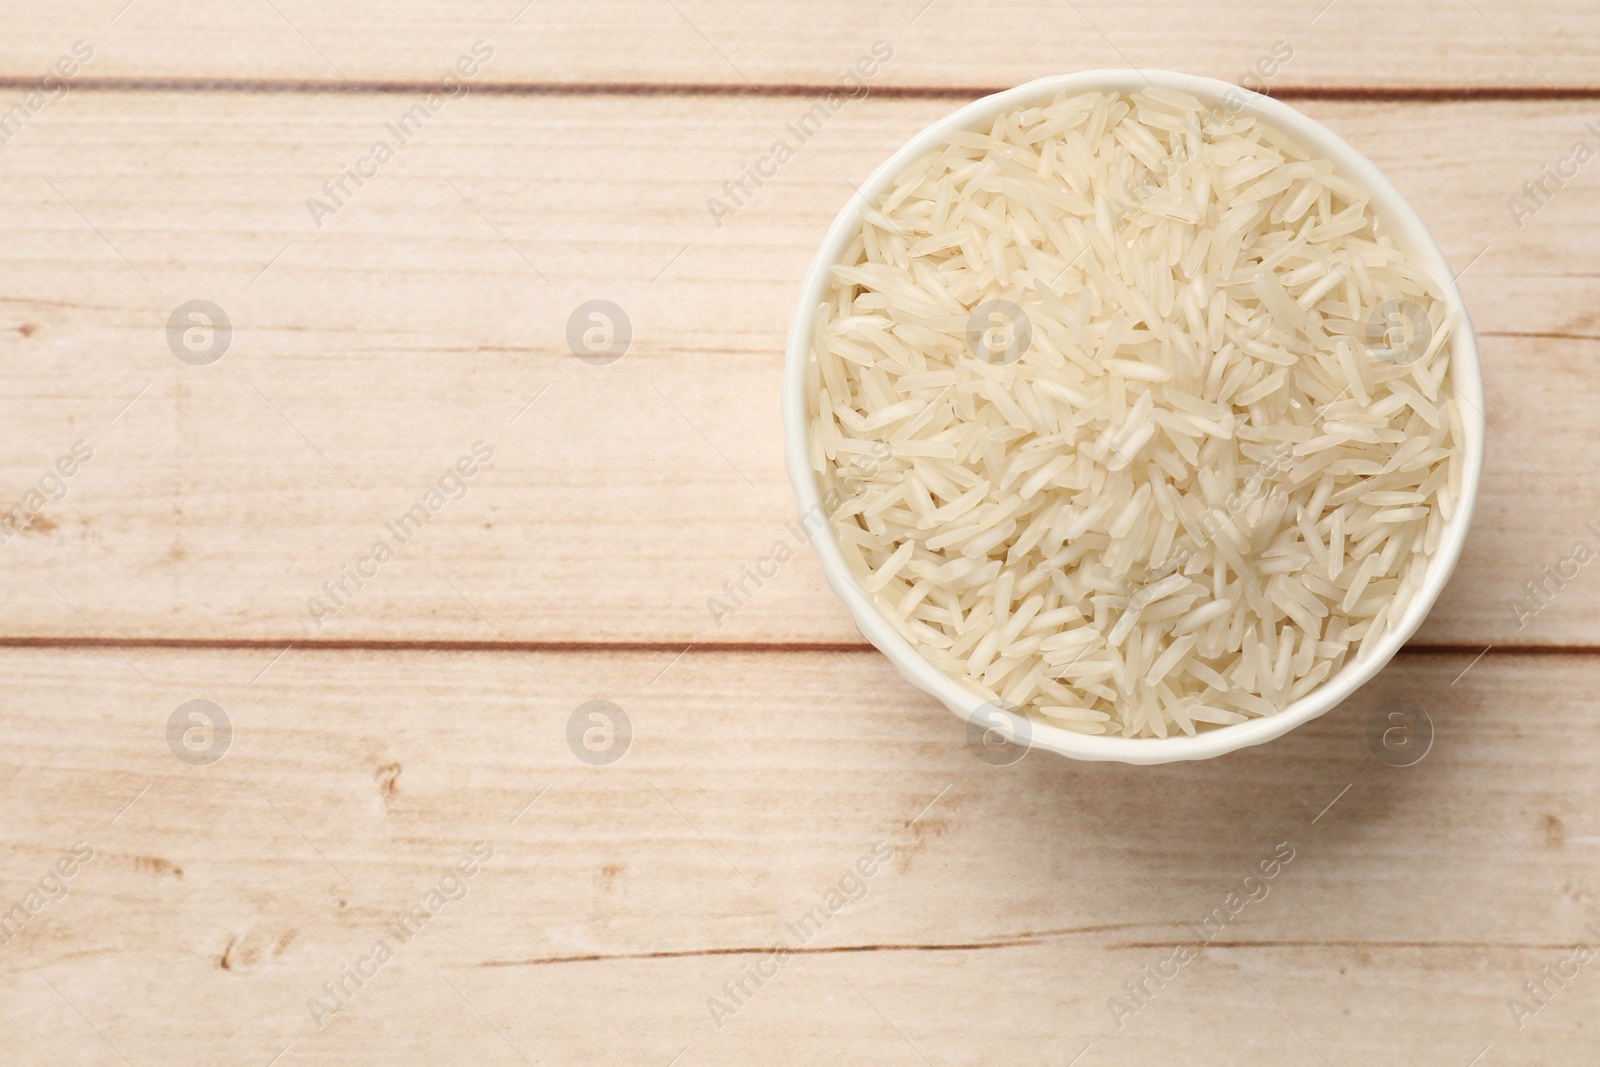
column 1017, row 902
column 369, row 354
column 1346, row 44
column 372, row 347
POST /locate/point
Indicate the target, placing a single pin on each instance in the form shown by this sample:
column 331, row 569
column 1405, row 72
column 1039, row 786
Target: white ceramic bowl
column 801, row 381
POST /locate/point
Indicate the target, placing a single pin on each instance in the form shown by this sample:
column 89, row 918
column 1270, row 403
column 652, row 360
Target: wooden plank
column 368, row 356
column 1016, row 902
column 1347, row 44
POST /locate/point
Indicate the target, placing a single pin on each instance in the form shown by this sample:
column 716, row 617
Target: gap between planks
column 1359, row 94
column 726, row 647
column 1030, row 939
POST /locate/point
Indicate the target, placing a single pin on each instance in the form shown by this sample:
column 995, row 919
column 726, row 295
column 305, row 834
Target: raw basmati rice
column 1156, row 460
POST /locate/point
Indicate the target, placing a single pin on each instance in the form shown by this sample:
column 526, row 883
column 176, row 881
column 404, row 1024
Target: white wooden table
column 623, row 907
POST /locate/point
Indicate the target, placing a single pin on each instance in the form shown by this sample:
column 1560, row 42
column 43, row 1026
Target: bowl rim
column 1465, row 377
